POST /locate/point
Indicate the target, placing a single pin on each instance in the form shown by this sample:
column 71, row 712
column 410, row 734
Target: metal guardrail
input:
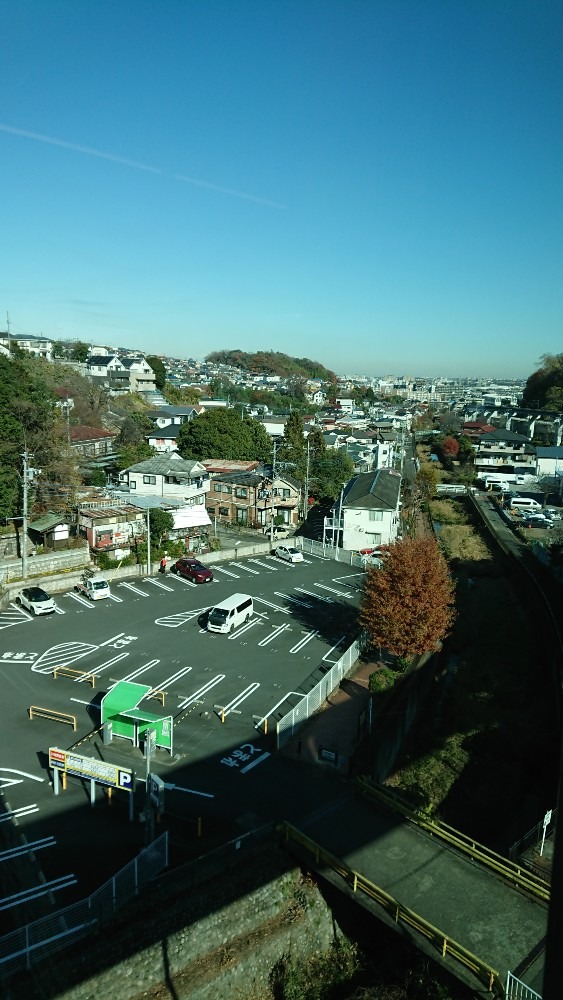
column 520, row 876
column 35, row 711
column 446, row 945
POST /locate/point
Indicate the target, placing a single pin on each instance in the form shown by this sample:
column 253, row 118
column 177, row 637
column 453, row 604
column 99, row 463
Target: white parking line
column 276, row 607
column 182, row 579
column 333, row 590
column 59, row 611
column 137, row 672
column 247, row 568
column 170, row 680
column 293, row 600
column 131, row 586
column 303, row 642
column 258, row 562
column 174, row 621
column 103, row 666
column 239, row 699
column 186, row 702
column 319, row 597
column 63, row 654
column 16, row 617
column 157, row 583
column 79, row 598
column 331, row 650
column 245, row 628
column 274, row 634
column 221, row 569
column 114, row 597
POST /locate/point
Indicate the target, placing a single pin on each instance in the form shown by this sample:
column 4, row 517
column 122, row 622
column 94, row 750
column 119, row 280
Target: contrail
column 224, row 190
column 89, row 150
column 114, row 158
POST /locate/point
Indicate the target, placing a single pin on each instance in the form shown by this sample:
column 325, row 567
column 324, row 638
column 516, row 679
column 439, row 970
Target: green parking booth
column 122, row 717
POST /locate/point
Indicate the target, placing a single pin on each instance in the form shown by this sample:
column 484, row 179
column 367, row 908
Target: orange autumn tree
column 408, row 604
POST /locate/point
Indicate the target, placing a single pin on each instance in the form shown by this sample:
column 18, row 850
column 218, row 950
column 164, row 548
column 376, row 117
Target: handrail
column 400, row 913
column 52, row 715
column 518, row 874
column 82, row 675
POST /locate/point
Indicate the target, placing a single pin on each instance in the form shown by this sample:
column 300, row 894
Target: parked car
column 538, row 522
column 289, row 553
column 36, row 601
column 552, row 513
column 192, row 569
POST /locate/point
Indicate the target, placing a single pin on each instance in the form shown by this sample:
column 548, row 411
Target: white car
column 289, row 554
column 36, row 601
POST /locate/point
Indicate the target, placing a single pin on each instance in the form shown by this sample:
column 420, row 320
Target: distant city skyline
column 375, row 186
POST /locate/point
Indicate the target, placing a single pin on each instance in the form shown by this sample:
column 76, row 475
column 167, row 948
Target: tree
column 187, row 395
column 408, row 604
column 315, row 442
column 449, row 422
column 450, row 447
column 292, row 448
column 159, row 371
column 161, row 522
column 223, row 433
column 79, row 351
column 539, row 389
column 328, row 473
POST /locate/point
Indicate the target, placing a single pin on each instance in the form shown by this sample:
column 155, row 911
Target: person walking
column 163, row 565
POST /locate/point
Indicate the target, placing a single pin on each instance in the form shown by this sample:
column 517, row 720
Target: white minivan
column 524, row 503
column 230, row 613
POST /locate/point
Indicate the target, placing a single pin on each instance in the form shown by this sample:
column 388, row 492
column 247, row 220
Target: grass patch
column 447, row 512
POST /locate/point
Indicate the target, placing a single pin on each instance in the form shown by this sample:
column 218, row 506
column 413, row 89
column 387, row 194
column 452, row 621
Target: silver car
column 36, row 601
column 289, row 553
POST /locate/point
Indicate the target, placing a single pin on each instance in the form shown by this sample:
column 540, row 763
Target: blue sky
column 374, row 184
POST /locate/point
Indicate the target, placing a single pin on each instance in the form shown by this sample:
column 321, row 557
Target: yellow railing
column 50, row 713
column 509, row 870
column 62, row 671
column 399, row 913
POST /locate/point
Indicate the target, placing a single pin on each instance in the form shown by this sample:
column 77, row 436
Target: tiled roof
column 90, row 434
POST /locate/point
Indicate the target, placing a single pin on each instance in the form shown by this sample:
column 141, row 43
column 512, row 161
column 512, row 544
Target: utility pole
column 148, row 541
column 306, row 497
column 26, row 471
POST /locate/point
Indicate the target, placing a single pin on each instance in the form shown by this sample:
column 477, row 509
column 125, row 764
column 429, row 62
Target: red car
column 192, row 569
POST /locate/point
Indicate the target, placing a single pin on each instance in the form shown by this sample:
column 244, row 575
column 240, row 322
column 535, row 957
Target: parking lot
column 223, row 692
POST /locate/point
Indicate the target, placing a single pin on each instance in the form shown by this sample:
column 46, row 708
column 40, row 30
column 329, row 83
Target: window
column 223, row 511
column 211, row 511
column 132, row 485
column 242, row 515
column 149, row 480
column 241, row 493
column 376, row 515
column 373, row 538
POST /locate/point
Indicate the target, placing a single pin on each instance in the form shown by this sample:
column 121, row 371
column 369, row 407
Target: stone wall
column 221, row 939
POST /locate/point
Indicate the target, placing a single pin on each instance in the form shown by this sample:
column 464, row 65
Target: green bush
column 381, row 680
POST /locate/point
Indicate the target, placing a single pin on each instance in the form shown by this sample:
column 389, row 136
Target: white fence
column 288, row 725
column 22, row 948
column 517, row 990
column 325, row 551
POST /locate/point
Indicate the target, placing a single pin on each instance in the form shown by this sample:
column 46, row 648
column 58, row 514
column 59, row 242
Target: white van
column 230, row 613
column 524, row 503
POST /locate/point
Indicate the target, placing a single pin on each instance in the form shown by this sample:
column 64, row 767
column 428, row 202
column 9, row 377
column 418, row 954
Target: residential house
column 251, row 499
column 164, row 438
column 51, row 531
column 168, row 476
column 549, row 461
column 176, row 415
column 111, row 527
column 141, row 375
column 41, row 347
column 504, row 451
column 367, row 513
column 94, row 446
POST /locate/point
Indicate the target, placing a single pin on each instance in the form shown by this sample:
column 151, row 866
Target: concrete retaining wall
column 233, row 932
